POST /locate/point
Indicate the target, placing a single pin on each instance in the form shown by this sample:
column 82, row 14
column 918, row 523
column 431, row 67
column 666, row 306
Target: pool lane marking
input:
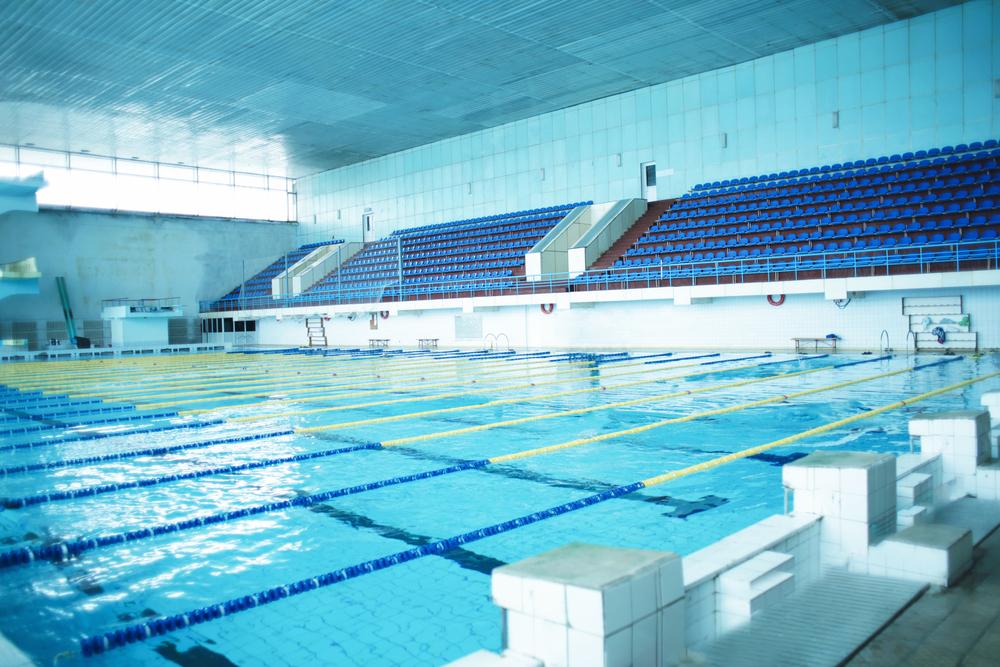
column 41, row 375
column 589, row 377
column 255, row 367
column 293, row 369
column 293, row 376
column 163, row 450
column 100, row 643
column 500, row 369
column 529, row 399
column 360, row 382
column 76, row 547
column 560, row 370
column 72, row 494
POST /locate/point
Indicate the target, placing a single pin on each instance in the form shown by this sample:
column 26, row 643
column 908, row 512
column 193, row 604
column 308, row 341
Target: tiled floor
column 819, row 625
column 957, row 626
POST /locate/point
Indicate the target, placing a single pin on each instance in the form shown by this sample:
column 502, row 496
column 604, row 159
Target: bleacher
column 259, row 285
column 473, row 252
column 898, row 213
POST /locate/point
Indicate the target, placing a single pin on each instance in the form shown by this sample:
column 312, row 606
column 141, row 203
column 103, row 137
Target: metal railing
column 929, row 258
column 144, row 305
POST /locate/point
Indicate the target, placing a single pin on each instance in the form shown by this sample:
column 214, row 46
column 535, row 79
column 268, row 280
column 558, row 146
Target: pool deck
column 954, row 626
column 11, row 656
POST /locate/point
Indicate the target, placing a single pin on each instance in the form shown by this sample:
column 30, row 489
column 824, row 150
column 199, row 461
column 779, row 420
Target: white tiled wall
column 913, row 84
column 732, row 323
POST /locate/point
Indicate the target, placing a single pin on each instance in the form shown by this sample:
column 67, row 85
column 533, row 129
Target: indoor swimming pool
column 270, row 508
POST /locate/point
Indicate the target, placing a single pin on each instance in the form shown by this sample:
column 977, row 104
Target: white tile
column 585, row 609
column 584, row 649
column 645, row 633
column 520, row 632
column 671, row 582
column 545, row 599
column 644, row 593
column 672, row 623
column 617, row 607
column 507, row 591
column 618, row 648
column 550, row 643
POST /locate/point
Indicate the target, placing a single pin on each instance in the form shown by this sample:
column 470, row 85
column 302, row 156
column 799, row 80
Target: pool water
column 432, row 609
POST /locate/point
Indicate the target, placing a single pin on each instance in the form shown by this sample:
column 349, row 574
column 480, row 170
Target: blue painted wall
column 913, row 84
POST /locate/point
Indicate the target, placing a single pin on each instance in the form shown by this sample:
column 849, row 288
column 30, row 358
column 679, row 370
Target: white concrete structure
column 962, row 441
column 140, row 322
column 583, row 604
column 855, row 492
column 673, row 317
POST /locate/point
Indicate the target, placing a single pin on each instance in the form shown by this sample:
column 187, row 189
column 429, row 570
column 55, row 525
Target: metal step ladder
column 316, row 330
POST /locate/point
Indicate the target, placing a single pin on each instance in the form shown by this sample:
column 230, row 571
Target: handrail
column 649, row 275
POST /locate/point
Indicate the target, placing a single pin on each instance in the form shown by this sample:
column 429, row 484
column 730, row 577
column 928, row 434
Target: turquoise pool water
column 435, row 608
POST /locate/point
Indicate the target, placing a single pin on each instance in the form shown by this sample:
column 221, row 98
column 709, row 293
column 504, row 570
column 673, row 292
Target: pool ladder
column 493, row 340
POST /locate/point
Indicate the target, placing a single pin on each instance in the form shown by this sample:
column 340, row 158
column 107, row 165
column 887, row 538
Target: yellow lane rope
column 751, row 451
column 37, row 373
column 191, row 371
column 420, row 387
column 355, row 372
column 382, row 380
column 279, row 378
column 522, row 399
column 686, row 418
column 208, row 374
column 466, row 392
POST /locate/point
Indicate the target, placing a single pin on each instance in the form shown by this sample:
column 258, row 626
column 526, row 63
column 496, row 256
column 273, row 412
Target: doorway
column 648, row 180
column 367, row 233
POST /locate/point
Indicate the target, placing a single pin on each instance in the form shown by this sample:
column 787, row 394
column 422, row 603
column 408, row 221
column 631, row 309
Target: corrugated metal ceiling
column 292, row 87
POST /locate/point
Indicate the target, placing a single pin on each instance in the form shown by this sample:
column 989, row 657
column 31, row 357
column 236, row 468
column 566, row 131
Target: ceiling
column 293, row 87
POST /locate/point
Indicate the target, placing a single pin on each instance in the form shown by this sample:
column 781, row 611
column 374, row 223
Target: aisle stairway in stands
column 638, row 229
column 432, row 258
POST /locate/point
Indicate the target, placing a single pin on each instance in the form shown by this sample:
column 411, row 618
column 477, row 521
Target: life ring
column 547, row 308
column 775, row 302
column 384, row 314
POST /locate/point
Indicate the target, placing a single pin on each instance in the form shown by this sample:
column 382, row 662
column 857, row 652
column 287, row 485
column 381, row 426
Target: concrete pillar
column 583, row 604
column 855, row 492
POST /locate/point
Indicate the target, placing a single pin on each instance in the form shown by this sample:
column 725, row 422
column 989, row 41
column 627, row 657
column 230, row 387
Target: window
column 228, row 325
column 83, row 180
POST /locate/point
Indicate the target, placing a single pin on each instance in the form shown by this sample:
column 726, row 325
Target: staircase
column 641, row 226
column 316, row 331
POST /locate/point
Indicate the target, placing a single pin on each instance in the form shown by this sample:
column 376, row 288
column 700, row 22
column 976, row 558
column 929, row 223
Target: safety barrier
column 100, row 643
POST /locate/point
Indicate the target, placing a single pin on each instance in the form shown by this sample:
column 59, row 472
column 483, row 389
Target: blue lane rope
column 97, row 644
column 83, row 492
column 63, row 550
column 36, row 428
column 80, row 437
column 60, row 551
column 152, row 451
column 673, row 359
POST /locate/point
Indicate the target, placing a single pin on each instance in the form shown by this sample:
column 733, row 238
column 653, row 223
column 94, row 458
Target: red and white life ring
column 775, row 301
column 384, row 314
column 547, row 308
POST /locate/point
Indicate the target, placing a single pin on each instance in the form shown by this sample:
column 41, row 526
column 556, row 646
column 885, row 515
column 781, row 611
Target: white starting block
column 582, row 605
